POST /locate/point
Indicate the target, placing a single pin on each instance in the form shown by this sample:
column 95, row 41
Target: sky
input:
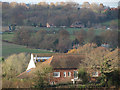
column 111, row 3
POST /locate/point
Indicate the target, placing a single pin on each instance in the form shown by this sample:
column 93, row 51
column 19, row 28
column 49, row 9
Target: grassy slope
column 8, row 36
column 8, row 49
column 109, row 22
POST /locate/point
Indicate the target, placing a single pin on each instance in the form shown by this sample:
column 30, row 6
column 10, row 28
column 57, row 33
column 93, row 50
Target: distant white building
column 50, row 25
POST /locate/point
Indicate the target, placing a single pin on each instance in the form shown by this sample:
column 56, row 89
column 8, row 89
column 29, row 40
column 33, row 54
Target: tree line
column 61, row 41
column 59, row 15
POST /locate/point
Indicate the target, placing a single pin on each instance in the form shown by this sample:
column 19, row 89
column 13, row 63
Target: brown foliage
column 22, row 36
column 95, row 55
column 81, row 36
column 64, row 41
column 16, row 83
column 110, row 37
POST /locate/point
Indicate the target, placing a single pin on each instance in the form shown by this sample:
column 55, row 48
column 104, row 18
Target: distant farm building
column 77, row 24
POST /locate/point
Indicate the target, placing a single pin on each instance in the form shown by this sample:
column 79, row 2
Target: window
column 69, row 74
column 64, row 74
column 76, row 74
column 38, row 60
column 95, row 74
column 56, row 74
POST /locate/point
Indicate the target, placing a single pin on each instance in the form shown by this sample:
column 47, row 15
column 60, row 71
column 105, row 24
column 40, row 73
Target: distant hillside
column 63, row 14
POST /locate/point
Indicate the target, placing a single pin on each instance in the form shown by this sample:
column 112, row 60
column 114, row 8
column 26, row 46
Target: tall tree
column 86, row 16
column 14, row 65
column 111, row 37
column 81, row 36
column 64, row 41
column 90, row 35
column 22, row 36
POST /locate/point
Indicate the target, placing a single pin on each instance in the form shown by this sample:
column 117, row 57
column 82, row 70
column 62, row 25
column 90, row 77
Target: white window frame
column 77, row 75
column 69, row 74
column 95, row 74
column 57, row 73
column 64, row 74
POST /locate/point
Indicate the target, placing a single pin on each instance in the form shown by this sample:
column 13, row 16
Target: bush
column 82, row 74
column 42, row 75
column 15, row 64
column 16, row 83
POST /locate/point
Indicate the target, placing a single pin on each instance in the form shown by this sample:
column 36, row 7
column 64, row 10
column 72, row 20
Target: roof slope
column 67, row 61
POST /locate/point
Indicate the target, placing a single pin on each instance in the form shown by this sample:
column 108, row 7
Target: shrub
column 15, row 64
column 42, row 75
column 82, row 74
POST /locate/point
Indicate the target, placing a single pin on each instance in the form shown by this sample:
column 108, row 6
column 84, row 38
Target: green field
column 8, row 36
column 109, row 22
column 70, row 30
column 8, row 49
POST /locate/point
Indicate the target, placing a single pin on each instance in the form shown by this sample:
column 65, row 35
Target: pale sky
column 111, row 3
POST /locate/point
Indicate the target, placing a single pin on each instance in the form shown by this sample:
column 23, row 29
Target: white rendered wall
column 31, row 63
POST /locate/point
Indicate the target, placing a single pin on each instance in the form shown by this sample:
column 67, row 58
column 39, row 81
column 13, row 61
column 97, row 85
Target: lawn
column 8, row 49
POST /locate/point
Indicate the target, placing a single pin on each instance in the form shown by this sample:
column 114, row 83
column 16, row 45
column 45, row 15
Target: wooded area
column 62, row 14
column 60, row 41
